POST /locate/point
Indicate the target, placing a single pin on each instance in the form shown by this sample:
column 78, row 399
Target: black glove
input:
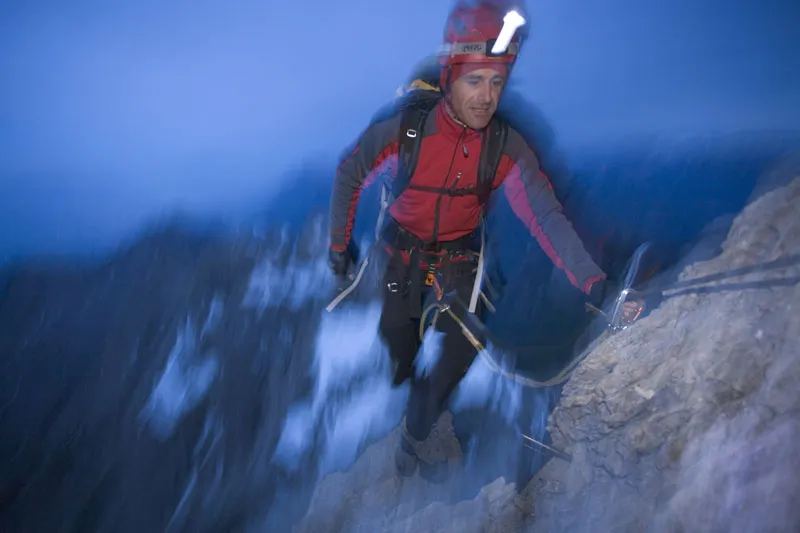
column 339, row 262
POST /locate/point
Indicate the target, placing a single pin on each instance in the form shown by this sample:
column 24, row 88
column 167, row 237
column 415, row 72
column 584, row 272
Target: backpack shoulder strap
column 415, row 109
column 491, row 152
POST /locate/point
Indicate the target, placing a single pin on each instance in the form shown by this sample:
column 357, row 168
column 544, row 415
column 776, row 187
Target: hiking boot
column 437, row 472
column 428, row 454
column 405, row 458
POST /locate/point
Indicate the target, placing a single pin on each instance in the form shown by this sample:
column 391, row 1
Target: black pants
column 430, row 393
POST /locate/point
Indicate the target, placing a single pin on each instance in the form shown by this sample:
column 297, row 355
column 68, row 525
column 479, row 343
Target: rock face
column 687, row 421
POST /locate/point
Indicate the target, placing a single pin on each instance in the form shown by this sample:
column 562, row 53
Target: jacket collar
column 451, row 129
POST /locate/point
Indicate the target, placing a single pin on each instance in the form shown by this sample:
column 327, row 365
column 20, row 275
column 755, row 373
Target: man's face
column 475, row 95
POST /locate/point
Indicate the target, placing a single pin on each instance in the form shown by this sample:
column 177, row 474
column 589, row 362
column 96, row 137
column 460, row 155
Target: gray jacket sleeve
column 532, row 199
column 375, row 152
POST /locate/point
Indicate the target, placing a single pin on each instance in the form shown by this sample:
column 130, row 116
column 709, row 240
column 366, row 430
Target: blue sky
column 111, row 112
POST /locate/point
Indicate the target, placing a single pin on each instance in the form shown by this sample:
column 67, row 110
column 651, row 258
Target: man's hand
column 339, row 262
column 631, row 310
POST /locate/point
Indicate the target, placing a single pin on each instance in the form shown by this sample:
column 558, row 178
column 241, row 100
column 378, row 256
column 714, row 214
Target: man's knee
column 399, row 333
column 457, row 355
column 401, row 341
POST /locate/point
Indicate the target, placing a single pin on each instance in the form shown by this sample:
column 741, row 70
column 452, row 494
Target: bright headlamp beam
column 511, row 22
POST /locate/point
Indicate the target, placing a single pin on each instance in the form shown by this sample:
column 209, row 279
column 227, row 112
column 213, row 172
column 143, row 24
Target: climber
column 440, row 158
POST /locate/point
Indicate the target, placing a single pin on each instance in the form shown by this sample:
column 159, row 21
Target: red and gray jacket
column 448, row 158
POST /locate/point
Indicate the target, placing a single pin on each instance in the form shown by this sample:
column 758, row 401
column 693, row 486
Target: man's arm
column 374, row 153
column 532, row 199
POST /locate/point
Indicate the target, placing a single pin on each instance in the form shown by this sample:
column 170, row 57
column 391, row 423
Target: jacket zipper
column 437, row 209
column 455, row 183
